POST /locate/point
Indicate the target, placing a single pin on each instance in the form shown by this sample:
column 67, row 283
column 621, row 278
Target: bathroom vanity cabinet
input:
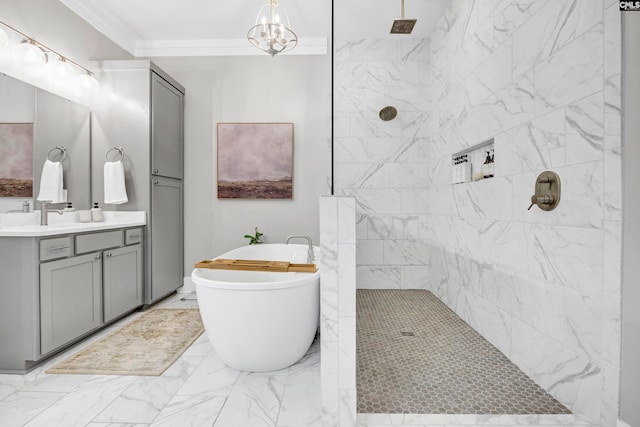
column 147, row 120
column 59, row 289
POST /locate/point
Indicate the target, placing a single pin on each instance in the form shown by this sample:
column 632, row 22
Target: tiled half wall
column 338, row 311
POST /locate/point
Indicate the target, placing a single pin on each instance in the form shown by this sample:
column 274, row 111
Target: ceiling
column 147, row 28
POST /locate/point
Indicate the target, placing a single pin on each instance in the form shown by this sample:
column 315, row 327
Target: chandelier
column 270, row 34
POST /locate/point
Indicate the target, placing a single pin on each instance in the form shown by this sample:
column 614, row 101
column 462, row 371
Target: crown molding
column 104, row 21
column 221, row 47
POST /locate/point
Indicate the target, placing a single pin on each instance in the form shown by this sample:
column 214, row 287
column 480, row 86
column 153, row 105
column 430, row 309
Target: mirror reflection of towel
column 51, row 182
column 115, row 192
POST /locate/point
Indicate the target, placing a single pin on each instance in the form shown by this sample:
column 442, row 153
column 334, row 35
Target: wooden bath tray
column 255, row 265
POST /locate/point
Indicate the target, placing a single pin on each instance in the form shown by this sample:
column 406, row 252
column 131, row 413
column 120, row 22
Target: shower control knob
column 541, row 200
column 546, row 191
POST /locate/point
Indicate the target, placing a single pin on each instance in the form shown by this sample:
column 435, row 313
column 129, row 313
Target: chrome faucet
column 310, row 255
column 44, row 212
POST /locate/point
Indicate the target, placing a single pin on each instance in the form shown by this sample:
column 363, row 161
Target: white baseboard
column 187, row 286
column 621, row 423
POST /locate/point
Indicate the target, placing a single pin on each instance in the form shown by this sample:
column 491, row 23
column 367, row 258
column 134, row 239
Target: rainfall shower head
column 402, row 26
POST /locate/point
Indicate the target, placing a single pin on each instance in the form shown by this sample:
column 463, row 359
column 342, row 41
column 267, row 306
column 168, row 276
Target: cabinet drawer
column 98, row 241
column 133, row 236
column 59, row 247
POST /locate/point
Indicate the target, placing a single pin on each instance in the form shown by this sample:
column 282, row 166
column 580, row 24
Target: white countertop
column 27, row 224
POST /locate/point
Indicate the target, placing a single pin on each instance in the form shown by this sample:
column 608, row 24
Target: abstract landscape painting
column 255, row 160
column 16, row 159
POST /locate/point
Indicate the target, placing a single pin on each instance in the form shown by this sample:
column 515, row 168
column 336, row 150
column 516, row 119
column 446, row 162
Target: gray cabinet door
column 70, row 299
column 122, row 281
column 166, row 128
column 165, row 236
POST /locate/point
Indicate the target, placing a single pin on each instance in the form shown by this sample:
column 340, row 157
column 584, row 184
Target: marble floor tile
column 211, row 377
column 254, row 401
column 190, row 411
column 197, row 390
column 116, row 425
column 141, row 402
column 301, row 404
column 20, row 407
column 55, row 383
column 80, row 406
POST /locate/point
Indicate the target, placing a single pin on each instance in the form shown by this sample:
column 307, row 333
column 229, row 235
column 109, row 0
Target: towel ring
column 64, row 153
column 118, row 149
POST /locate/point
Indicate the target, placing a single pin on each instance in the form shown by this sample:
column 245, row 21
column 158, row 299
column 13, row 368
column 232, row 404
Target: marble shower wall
column 543, row 78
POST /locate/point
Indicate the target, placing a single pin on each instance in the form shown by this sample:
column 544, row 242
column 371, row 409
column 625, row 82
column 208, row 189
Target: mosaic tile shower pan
column 416, row 356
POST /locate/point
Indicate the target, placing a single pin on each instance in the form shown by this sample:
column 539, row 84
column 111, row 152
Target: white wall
column 255, row 89
column 543, row 78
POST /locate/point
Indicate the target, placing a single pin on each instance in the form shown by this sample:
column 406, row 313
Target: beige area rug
column 146, row 346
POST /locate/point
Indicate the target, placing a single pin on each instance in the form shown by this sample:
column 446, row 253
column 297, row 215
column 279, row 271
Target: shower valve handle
column 541, row 200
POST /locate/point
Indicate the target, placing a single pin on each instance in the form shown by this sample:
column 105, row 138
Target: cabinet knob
column 156, row 182
column 109, row 254
column 97, row 256
column 156, row 171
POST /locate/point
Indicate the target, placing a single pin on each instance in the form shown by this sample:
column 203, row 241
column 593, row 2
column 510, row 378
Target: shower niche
column 473, row 163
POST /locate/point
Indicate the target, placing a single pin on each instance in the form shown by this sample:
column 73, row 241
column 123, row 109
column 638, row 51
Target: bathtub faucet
column 310, row 256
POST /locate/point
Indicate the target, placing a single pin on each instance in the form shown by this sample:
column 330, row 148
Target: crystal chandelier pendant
column 269, row 34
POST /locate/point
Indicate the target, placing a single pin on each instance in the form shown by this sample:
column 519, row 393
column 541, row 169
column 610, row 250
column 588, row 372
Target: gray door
column 165, row 237
column 70, row 299
column 122, row 281
column 166, row 128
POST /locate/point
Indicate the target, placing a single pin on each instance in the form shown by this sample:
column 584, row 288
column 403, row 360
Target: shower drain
column 407, row 334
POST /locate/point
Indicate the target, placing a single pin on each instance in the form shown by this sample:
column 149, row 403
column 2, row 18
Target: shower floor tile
column 416, row 356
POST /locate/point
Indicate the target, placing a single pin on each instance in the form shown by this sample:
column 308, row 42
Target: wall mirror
column 33, row 122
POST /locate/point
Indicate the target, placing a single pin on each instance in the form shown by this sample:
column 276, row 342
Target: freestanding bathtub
column 260, row 321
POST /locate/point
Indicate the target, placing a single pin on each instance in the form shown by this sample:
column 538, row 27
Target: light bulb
column 30, row 53
column 63, row 69
column 88, row 82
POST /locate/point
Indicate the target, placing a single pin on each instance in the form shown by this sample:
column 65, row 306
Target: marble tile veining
column 541, row 77
column 197, row 390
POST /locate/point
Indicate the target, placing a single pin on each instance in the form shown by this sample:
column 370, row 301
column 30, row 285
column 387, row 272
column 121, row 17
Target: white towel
column 51, row 182
column 115, row 192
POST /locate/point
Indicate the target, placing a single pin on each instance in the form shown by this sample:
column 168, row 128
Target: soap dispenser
column 491, row 165
column 486, row 166
column 96, row 213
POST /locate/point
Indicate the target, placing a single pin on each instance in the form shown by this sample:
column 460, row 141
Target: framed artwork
column 16, row 159
column 255, row 160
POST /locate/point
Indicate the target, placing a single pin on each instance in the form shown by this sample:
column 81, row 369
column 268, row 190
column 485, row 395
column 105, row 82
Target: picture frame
column 255, row 160
column 16, row 159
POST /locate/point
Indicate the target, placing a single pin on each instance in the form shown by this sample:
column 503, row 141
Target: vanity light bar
column 45, row 49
